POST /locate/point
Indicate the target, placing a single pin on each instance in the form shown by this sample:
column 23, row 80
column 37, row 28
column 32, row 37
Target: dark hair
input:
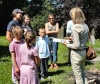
column 16, row 30
column 29, row 37
column 14, row 15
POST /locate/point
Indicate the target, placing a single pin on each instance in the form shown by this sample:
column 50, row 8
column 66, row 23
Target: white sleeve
column 68, row 27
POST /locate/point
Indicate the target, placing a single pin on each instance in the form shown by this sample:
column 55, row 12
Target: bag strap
column 90, row 39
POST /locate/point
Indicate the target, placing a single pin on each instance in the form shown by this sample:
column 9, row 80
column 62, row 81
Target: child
column 26, row 23
column 29, row 60
column 42, row 44
column 14, row 50
column 17, row 15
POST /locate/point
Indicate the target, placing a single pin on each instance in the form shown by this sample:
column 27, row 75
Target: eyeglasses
column 51, row 18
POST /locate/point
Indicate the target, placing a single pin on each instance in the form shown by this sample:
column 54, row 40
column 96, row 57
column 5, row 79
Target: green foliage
column 33, row 7
column 40, row 19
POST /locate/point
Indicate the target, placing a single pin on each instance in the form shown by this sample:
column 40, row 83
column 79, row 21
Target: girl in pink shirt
column 29, row 60
column 14, row 50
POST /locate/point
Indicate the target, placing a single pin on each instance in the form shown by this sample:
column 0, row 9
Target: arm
column 68, row 30
column 52, row 32
column 8, row 36
column 90, row 39
column 14, row 62
column 49, row 44
column 36, row 57
column 8, row 33
column 37, row 60
column 76, row 42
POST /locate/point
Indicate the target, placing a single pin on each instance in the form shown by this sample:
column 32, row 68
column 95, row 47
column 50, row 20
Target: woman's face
column 51, row 19
column 27, row 20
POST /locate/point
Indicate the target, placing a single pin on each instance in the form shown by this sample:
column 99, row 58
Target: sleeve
column 76, row 42
column 9, row 27
column 11, row 47
column 35, row 51
column 36, row 44
column 68, row 29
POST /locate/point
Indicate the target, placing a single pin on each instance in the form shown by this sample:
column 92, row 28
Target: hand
column 69, row 38
column 17, row 70
column 51, row 51
column 25, row 30
column 64, row 43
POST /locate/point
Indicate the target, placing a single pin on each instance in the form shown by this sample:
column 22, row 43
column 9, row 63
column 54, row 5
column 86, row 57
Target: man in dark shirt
column 17, row 15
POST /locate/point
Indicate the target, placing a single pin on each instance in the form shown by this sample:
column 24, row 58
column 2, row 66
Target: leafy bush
column 39, row 20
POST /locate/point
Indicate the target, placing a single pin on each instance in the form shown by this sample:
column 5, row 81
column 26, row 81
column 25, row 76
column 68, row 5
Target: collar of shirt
column 17, row 41
column 41, row 38
column 16, row 21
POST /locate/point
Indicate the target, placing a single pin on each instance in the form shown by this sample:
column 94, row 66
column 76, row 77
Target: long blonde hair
column 78, row 15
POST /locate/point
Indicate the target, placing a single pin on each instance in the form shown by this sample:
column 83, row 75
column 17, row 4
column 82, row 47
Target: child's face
column 19, row 16
column 27, row 20
column 42, row 32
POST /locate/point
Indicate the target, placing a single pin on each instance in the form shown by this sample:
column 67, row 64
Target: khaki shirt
column 80, row 35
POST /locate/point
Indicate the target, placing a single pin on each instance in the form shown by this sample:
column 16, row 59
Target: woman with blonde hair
column 52, row 29
column 78, row 48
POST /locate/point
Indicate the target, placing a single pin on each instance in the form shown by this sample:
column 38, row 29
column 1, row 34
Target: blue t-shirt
column 12, row 23
column 43, row 46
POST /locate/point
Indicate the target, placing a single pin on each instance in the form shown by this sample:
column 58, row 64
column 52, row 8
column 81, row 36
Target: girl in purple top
column 29, row 60
column 14, row 50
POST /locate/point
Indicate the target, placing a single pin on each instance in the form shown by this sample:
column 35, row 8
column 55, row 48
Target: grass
column 58, row 76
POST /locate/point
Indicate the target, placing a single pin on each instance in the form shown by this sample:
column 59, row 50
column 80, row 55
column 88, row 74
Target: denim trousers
column 53, row 55
column 78, row 65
